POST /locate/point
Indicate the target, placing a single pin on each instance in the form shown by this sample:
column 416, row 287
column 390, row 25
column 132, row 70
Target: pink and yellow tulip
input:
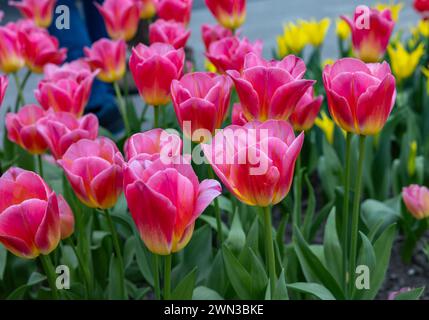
column 61, row 129
column 256, row 162
column 4, row 81
column 202, row 100
column 40, row 11
column 22, row 129
column 11, row 58
column 370, row 41
column 66, row 88
column 154, row 68
column 177, row 10
column 165, row 200
column 170, row 32
column 270, row 89
column 416, row 199
column 306, row 111
column 213, row 33
column 229, row 13
column 121, row 18
column 360, row 96
column 33, row 219
column 148, row 8
column 229, row 53
column 153, row 142
column 108, row 57
column 94, row 170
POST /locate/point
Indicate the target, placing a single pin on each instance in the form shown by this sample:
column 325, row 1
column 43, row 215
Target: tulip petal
column 207, row 192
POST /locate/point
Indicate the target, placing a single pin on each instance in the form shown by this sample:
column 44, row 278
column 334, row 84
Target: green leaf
column 98, row 238
column 332, row 248
column 211, row 221
column 236, row 237
column 3, row 261
column 367, row 254
column 204, row 293
column 240, row 279
column 258, row 274
column 18, row 293
column 313, row 268
column 217, row 277
column 414, row 294
column 377, row 216
column 116, row 288
column 185, row 288
column 280, row 293
column 314, row 289
column 225, row 204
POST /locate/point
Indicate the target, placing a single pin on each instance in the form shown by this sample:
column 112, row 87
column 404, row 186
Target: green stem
column 167, row 277
column 85, row 271
column 40, row 164
column 156, row 277
column 155, row 117
column 50, row 274
column 217, row 212
column 19, row 96
column 346, row 206
column 297, row 212
column 117, row 249
column 355, row 215
column 269, row 247
column 122, row 107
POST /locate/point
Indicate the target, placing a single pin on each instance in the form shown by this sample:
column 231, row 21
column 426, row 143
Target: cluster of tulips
column 116, row 218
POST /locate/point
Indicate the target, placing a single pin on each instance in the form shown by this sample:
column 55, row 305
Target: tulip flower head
column 306, row 111
column 23, row 129
column 213, row 33
column 342, row 30
column 360, row 96
column 170, row 32
column 154, row 68
column 148, row 8
column 270, row 89
column 238, row 117
column 3, row 86
column 422, row 7
column 370, row 36
column 327, row 126
column 40, row 49
column 416, row 199
column 153, row 142
column 201, row 101
column 315, row 30
column 395, row 9
column 231, row 14
column 109, row 58
column 165, row 199
column 66, row 88
column 229, row 53
column 11, row 58
column 293, row 40
column 40, row 11
column 256, row 162
column 121, row 18
column 94, row 170
column 404, row 63
column 33, row 219
column 177, row 10
column 61, row 129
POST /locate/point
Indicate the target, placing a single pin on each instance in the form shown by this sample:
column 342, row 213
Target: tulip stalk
column 355, row 214
column 298, row 194
column 346, row 205
column 155, row 117
column 167, row 277
column 39, row 164
column 50, row 274
column 217, row 213
column 156, row 277
column 122, row 107
column 269, row 247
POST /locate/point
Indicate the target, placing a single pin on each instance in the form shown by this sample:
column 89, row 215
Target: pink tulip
column 370, row 41
column 121, row 18
column 229, row 13
column 61, row 129
column 153, row 142
column 94, row 170
column 11, row 58
column 306, row 111
column 108, row 57
column 154, row 68
column 213, row 33
column 22, row 129
column 66, row 88
column 148, row 8
column 165, row 200
column 177, row 10
column 170, row 32
column 33, row 219
column 416, row 199
column 238, row 117
column 40, row 11
column 3, row 86
column 202, row 100
column 360, row 96
column 40, row 49
column 270, row 89
column 256, row 162
column 229, row 53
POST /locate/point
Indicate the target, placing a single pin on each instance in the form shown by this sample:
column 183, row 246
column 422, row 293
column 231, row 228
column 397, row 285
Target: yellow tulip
column 395, row 9
column 404, row 63
column 412, row 158
column 343, row 30
column 315, row 30
column 327, row 61
column 292, row 41
column 210, row 67
column 423, row 28
column 425, row 72
column 326, row 125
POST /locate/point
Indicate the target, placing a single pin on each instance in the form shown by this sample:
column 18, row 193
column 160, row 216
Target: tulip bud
column 170, row 32
column 416, row 199
column 306, row 111
column 230, row 13
column 177, row 10
column 11, row 58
